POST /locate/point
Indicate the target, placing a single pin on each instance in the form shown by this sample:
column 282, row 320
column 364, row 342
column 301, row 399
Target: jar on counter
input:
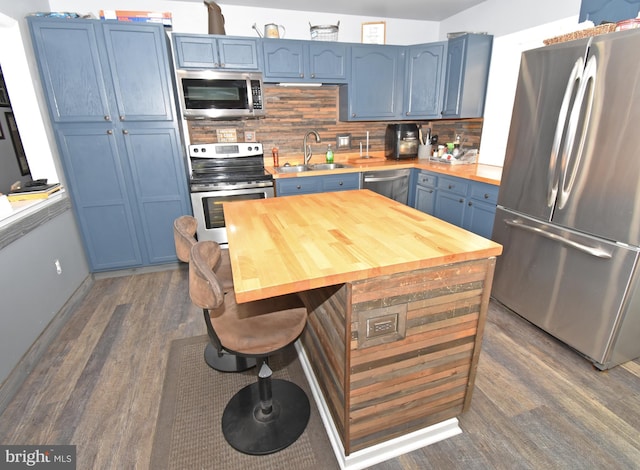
column 276, row 157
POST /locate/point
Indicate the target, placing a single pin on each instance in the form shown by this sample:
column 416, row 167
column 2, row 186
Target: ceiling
column 426, row 10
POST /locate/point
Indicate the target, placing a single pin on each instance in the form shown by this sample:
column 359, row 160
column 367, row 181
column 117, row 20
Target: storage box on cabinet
column 202, row 51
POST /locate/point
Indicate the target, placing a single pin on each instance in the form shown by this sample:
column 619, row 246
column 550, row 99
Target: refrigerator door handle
column 552, row 177
column 570, row 167
column 593, row 251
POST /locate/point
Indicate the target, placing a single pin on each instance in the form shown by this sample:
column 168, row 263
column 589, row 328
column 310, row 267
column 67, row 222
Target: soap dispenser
column 329, row 158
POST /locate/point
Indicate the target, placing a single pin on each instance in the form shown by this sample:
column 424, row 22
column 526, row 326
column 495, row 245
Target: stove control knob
column 195, row 150
column 204, row 150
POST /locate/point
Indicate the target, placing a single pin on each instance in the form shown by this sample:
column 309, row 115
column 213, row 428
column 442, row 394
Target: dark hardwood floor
column 536, row 404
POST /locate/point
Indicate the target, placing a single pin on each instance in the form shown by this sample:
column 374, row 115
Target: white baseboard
column 380, row 452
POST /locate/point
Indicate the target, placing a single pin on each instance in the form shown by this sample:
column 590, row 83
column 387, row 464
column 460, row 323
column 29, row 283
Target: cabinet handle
column 353, row 114
column 461, row 201
column 301, row 75
column 109, row 132
column 223, row 65
column 450, row 186
column 125, row 132
column 340, row 183
column 470, row 204
column 107, row 118
column 430, row 191
column 216, row 65
column 486, row 196
column 313, row 75
column 122, row 118
column 298, row 187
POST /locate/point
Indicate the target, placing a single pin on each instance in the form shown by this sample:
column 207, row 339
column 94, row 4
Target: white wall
column 192, row 17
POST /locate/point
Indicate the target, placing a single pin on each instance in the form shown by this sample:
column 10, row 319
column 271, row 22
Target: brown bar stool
column 184, row 234
column 269, row 415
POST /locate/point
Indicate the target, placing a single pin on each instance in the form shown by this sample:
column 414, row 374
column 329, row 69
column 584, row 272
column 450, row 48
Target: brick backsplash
column 292, row 111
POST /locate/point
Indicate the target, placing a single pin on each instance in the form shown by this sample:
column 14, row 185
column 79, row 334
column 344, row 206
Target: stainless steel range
column 225, row 172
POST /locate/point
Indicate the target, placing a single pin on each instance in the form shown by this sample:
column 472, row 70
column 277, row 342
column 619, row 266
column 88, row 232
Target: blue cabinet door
column 71, row 70
column 479, row 217
column 376, row 84
column 204, row 51
column 450, row 207
column 283, row 59
column 424, row 80
column 467, row 75
column 328, row 62
column 101, row 196
column 481, row 208
column 425, row 198
column 160, row 194
column 195, row 51
column 238, row 54
column 139, row 70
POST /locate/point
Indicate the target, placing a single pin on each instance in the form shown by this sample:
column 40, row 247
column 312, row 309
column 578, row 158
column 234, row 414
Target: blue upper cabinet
column 467, row 75
column 376, row 84
column 599, row 11
column 201, row 51
column 424, row 80
column 304, row 61
column 136, row 55
column 81, row 96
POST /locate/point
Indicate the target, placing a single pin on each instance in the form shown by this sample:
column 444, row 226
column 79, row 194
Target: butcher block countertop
column 477, row 172
column 297, row 243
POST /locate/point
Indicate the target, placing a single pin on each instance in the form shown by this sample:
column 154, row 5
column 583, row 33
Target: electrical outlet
column 58, row 266
column 343, row 141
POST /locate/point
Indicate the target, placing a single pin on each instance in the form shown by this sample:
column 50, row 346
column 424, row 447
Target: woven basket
column 583, row 33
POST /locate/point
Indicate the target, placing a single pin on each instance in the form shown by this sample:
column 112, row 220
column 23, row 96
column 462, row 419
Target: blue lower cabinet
column 467, row 204
column 317, row 184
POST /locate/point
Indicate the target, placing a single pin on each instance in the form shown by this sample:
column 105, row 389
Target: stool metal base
column 246, row 428
column 227, row 362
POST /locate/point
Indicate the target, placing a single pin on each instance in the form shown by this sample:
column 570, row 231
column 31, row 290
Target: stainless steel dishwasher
column 393, row 184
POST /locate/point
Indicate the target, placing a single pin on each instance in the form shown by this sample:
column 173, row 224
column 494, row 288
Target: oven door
column 207, row 209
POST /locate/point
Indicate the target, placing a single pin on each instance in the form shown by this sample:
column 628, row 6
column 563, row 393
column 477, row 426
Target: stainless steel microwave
column 208, row 94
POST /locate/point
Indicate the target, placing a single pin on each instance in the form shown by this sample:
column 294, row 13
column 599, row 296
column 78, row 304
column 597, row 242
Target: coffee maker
column 401, row 141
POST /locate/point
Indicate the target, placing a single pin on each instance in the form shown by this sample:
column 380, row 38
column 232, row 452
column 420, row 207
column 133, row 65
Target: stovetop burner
column 227, row 166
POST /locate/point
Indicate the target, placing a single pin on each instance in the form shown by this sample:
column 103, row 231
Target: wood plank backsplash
column 292, row 111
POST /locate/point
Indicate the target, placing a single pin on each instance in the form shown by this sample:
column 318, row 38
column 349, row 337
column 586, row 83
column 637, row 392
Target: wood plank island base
column 397, row 303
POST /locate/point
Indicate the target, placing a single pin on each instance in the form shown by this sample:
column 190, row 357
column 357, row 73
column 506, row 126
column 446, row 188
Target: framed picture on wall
column 4, row 96
column 17, row 143
column 374, row 33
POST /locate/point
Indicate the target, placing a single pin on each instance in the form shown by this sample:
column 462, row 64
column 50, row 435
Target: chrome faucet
column 307, row 147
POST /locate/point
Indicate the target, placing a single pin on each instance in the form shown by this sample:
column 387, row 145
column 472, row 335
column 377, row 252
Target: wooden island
column 397, row 303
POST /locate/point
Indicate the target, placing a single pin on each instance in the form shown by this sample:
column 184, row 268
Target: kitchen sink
column 328, row 166
column 313, row 167
column 293, row 169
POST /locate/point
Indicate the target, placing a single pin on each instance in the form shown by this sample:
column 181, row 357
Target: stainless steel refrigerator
column 569, row 203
